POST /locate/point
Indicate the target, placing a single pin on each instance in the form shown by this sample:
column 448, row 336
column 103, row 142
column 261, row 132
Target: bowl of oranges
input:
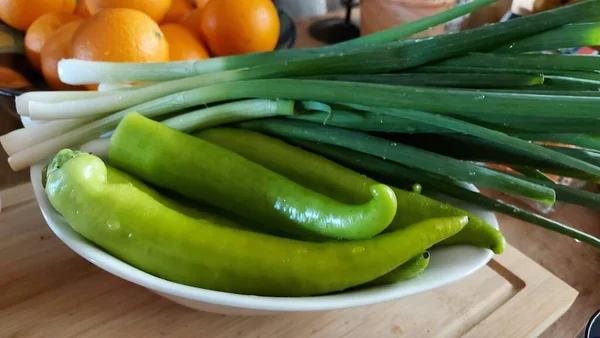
column 36, row 34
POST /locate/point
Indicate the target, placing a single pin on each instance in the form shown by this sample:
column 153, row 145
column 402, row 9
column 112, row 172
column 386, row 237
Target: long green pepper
column 327, row 177
column 219, row 177
column 127, row 221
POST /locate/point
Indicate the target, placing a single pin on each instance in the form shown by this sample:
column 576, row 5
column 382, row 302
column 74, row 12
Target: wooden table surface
column 575, row 263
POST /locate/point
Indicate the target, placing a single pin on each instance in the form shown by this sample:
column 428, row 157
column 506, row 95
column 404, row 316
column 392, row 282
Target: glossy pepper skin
column 327, row 177
column 129, row 223
column 114, row 176
column 408, row 270
column 219, row 177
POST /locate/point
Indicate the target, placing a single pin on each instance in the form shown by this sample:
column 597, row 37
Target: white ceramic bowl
column 447, row 265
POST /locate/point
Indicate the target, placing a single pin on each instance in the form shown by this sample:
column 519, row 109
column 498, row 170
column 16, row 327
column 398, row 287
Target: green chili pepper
column 115, row 176
column 219, row 177
column 126, row 220
column 408, row 270
column 327, row 177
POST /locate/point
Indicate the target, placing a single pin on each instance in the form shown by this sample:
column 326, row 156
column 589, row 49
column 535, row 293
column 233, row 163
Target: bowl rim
column 348, row 299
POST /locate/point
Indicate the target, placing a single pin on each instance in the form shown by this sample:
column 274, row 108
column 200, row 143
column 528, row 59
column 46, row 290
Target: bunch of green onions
column 431, row 110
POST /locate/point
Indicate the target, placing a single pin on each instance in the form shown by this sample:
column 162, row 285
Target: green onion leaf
column 529, row 149
column 579, row 140
column 453, row 80
column 532, row 62
column 390, row 173
column 315, row 106
column 569, row 36
column 587, row 155
column 417, row 26
column 466, row 103
column 366, row 121
column 229, row 113
column 436, row 68
column 569, row 194
column 224, row 113
column 534, row 173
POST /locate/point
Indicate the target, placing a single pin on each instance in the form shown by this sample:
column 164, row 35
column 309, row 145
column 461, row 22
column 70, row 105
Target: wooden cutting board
column 49, row 291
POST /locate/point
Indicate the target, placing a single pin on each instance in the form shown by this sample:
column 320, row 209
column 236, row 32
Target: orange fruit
column 183, row 45
column 20, row 14
column 239, row 27
column 40, row 30
column 11, row 79
column 191, row 21
column 120, row 35
column 57, row 47
column 200, row 3
column 82, row 9
column 178, row 9
column 156, row 9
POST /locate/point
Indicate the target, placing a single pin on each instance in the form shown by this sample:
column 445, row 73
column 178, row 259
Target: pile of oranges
column 138, row 30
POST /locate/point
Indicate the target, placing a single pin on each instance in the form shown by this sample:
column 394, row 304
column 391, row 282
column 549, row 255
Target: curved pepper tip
column 499, row 245
column 385, row 194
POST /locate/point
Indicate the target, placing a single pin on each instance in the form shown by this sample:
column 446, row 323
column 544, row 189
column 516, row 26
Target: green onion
column 553, row 79
column 530, row 149
column 486, row 70
column 95, row 129
column 534, row 173
column 73, row 71
column 315, row 106
column 482, row 150
column 109, row 86
column 569, row 173
column 569, row 36
column 454, row 80
column 229, row 113
column 582, row 63
column 21, row 139
column 413, row 157
column 562, row 82
column 417, row 26
column 579, row 140
column 513, row 124
column 476, row 149
column 570, row 195
column 366, row 121
column 586, row 155
column 467, row 103
column 390, row 173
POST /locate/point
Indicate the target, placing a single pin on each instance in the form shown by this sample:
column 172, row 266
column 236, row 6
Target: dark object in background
column 592, row 329
column 336, row 30
column 27, row 79
column 287, row 31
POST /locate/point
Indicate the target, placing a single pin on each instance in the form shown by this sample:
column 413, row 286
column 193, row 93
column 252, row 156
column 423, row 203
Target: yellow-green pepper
column 214, row 175
column 125, row 218
column 327, row 177
column 408, row 270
